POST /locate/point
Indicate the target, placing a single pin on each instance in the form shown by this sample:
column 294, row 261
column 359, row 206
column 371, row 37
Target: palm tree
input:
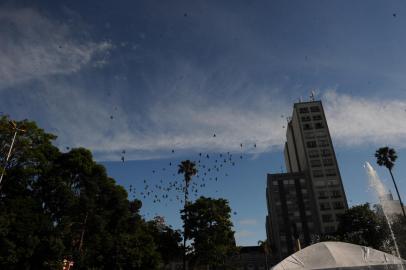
column 386, row 156
column 265, row 248
column 188, row 169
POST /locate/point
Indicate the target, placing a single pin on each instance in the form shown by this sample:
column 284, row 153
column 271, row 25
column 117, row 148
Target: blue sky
column 151, row 76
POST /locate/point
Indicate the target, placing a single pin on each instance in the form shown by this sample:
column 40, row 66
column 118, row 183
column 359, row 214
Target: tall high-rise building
column 310, row 197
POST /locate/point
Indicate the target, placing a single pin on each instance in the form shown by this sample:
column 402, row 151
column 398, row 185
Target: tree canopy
column 56, row 205
column 209, row 227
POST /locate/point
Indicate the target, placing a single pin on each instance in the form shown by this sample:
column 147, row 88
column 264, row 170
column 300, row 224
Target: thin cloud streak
column 249, row 222
column 244, row 234
column 38, row 47
column 357, row 121
column 189, row 127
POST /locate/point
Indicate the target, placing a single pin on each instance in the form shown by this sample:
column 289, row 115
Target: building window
column 275, row 183
column 322, row 195
column 319, row 125
column 325, row 206
column 313, row 153
column 309, row 137
column 328, row 162
column 318, row 173
column 304, row 110
column 317, row 117
column 306, row 118
column 320, row 184
column 335, row 194
column 302, row 180
column 315, row 109
column 338, row 205
column 323, row 143
column 331, row 172
column 325, row 152
column 307, row 127
column 311, row 144
column 327, row 218
column 332, row 183
column 315, row 163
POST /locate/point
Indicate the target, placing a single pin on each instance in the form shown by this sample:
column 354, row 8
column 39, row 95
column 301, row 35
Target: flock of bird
column 165, row 185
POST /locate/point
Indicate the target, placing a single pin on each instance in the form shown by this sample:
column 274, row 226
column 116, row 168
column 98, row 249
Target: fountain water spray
column 380, row 190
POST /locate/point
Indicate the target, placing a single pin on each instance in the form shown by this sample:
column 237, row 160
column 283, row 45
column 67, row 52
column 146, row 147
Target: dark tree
column 210, row 229
column 361, row 225
column 57, row 205
column 188, row 169
column 168, row 241
column 386, row 156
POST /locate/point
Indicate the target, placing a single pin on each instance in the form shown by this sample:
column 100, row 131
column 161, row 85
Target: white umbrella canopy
column 340, row 255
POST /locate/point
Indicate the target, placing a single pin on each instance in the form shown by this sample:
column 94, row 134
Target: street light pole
column 14, row 127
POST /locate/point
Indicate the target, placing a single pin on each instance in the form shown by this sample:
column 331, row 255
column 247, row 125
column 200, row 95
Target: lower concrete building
column 250, row 258
column 292, row 214
column 391, row 206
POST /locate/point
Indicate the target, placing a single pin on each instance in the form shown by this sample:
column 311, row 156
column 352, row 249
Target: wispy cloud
column 33, row 46
column 249, row 222
column 244, row 234
column 180, row 108
column 359, row 120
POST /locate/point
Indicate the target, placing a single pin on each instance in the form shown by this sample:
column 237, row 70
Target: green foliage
column 208, row 225
column 386, row 156
column 361, row 225
column 57, row 205
column 188, row 169
column 167, row 240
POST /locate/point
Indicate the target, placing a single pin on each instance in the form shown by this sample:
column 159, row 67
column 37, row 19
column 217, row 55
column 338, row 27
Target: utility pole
column 15, row 129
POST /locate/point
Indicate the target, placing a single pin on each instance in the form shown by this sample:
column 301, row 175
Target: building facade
column 310, row 197
column 291, row 213
column 249, row 258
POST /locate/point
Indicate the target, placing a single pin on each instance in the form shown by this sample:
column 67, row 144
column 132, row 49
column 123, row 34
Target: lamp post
column 16, row 130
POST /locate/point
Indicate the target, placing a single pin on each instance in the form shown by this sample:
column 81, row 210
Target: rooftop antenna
column 300, row 99
column 312, row 95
